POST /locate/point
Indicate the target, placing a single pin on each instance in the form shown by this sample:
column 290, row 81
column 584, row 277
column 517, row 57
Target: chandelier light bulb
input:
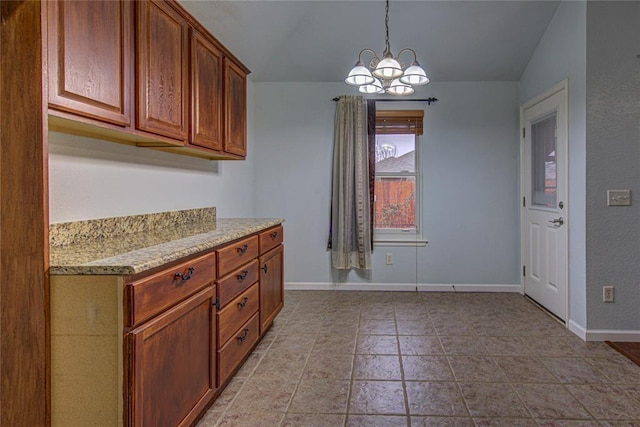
column 372, row 88
column 415, row 75
column 388, row 68
column 359, row 75
column 399, row 88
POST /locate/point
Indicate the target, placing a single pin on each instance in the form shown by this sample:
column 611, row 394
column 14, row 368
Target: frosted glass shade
column 415, row 76
column 375, row 87
column 399, row 88
column 388, row 68
column 359, row 75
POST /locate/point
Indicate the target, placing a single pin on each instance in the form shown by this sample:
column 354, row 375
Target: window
column 397, row 199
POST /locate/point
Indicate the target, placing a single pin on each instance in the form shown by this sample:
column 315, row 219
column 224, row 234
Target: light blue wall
column 470, row 156
column 561, row 54
column 613, row 162
column 90, row 179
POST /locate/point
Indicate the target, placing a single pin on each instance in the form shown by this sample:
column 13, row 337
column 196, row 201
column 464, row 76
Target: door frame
column 561, row 87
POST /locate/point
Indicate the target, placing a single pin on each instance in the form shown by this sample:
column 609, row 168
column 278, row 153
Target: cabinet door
column 172, row 364
column 235, row 90
column 206, row 93
column 271, row 286
column 161, row 68
column 89, row 58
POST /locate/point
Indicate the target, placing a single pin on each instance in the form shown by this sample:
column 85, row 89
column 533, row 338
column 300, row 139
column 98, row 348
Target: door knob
column 558, row 221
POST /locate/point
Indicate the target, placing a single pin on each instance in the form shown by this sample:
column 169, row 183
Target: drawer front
column 236, row 254
column 234, row 351
column 152, row 295
column 271, row 238
column 239, row 280
column 237, row 312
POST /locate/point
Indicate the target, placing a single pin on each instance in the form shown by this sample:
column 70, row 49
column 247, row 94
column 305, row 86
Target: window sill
column 396, row 242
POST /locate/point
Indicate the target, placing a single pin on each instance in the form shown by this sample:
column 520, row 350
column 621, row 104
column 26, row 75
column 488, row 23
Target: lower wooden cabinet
column 234, row 351
column 271, row 286
column 156, row 348
column 172, row 361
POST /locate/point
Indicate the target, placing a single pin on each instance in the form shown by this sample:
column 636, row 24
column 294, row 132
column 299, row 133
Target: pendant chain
column 386, row 24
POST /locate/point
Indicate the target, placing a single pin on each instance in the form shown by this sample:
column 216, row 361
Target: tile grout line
column 353, row 366
column 402, row 375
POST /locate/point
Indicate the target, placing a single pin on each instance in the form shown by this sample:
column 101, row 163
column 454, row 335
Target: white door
column 544, row 200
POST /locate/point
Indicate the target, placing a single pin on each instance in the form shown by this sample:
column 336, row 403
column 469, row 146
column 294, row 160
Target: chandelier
column 387, row 75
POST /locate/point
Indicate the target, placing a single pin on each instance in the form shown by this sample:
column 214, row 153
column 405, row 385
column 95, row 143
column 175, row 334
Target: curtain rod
column 427, row 100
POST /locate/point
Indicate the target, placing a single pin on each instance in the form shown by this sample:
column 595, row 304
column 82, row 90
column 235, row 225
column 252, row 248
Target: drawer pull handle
column 243, row 336
column 184, row 277
column 274, row 235
column 242, row 276
column 244, row 303
column 242, row 249
column 265, row 268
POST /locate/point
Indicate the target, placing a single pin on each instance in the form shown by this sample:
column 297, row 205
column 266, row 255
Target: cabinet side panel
column 86, row 350
column 24, row 224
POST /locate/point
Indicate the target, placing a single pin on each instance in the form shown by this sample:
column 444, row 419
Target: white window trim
column 418, row 242
column 388, row 237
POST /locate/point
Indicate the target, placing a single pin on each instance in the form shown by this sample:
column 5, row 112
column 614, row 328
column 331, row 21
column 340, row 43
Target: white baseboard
column 467, row 287
column 604, row 334
column 323, row 286
column 434, row 287
column 577, row 329
column 401, row 287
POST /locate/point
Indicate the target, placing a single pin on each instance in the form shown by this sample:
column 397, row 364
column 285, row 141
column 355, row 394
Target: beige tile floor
column 426, row 359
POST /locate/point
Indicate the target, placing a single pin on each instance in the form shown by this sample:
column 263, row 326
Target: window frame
column 410, row 237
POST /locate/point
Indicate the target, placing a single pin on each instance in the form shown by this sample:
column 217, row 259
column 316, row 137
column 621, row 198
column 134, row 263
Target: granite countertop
column 139, row 246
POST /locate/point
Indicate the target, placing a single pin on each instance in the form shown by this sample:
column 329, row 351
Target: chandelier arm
column 374, row 60
column 407, row 49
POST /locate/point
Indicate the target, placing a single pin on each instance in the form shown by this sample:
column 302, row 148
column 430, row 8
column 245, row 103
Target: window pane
column 395, row 153
column 543, row 159
column 395, row 202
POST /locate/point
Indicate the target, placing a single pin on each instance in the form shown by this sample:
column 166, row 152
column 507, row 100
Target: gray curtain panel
column 350, row 208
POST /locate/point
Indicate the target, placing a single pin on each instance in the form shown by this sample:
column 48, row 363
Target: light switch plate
column 618, row 197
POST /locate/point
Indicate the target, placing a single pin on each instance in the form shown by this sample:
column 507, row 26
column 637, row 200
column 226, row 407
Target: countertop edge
column 164, row 253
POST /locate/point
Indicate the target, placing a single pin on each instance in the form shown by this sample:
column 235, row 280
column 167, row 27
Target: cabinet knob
column 274, row 235
column 242, row 249
column 243, row 304
column 243, row 337
column 242, row 276
column 184, row 277
column 265, row 268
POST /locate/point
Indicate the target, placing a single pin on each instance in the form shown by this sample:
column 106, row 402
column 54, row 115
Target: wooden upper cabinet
column 161, row 70
column 206, row 92
column 235, row 99
column 144, row 72
column 90, row 58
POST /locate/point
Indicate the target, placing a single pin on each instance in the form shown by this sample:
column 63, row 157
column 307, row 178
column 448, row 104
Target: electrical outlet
column 389, row 259
column 608, row 294
column 618, row 197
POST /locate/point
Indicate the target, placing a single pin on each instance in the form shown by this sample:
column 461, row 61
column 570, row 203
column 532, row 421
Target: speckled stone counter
column 130, row 245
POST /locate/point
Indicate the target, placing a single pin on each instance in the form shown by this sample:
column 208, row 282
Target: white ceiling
column 318, row 41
